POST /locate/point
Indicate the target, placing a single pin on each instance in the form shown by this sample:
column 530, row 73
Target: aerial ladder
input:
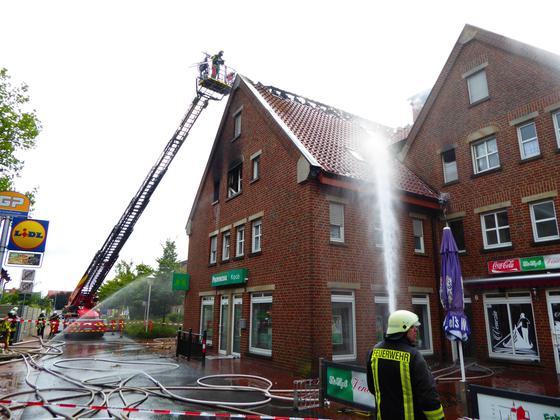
column 213, row 83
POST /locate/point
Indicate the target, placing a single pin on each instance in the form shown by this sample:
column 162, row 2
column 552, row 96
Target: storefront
column 514, row 299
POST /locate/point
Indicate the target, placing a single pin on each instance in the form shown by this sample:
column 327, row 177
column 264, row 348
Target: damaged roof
column 333, row 139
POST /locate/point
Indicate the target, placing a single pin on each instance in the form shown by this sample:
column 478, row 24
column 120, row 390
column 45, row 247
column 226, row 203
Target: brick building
column 488, row 136
column 285, row 246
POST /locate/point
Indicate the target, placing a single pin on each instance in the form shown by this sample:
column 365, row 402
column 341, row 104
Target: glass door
column 236, row 330
column 554, row 318
column 224, row 315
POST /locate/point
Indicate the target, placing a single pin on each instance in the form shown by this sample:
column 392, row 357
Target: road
column 118, row 372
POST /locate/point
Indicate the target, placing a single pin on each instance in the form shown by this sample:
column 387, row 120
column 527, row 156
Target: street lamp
column 150, row 280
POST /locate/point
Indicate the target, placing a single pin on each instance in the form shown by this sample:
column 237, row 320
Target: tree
column 162, row 296
column 19, row 126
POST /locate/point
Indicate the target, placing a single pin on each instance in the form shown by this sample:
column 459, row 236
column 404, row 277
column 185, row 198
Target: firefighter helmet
column 401, row 321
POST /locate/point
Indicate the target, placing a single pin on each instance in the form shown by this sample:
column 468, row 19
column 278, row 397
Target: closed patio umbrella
column 455, row 325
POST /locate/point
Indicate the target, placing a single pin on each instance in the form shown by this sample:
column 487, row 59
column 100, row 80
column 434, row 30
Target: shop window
column 556, row 120
column 261, row 324
column 528, row 140
column 418, row 231
column 234, row 181
column 256, row 236
column 226, row 237
column 449, row 166
column 510, row 327
column 224, row 317
column 458, row 233
column 343, row 325
column 240, row 241
column 421, row 307
column 495, row 229
column 478, row 87
column 381, row 316
column 213, row 249
column 207, row 318
column 543, row 219
column 336, row 216
column 485, row 155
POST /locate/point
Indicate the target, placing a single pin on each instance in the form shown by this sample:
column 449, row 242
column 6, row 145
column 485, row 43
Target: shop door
column 553, row 299
column 224, row 317
column 236, row 326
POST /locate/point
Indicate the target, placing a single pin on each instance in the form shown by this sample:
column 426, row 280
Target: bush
column 175, row 317
column 158, row 331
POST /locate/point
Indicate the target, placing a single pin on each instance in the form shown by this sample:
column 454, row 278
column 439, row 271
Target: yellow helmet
column 401, row 321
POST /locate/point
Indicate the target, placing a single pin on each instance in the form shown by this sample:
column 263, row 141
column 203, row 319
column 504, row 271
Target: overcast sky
column 110, row 81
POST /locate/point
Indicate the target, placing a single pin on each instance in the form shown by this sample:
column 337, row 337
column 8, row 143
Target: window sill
column 514, row 361
column 462, row 252
column 259, row 356
column 479, row 101
column 254, row 180
column 212, row 264
column 421, row 254
column 498, row 249
column 547, row 242
column 447, row 184
column 225, row 261
column 490, row 171
column 235, row 137
column 239, row 258
column 215, row 202
column 531, row 159
column 233, row 196
column 337, row 243
column 255, row 254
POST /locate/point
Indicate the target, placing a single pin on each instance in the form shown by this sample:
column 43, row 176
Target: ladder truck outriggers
column 213, row 83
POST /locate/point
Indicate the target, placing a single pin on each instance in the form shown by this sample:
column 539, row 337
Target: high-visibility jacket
column 403, row 386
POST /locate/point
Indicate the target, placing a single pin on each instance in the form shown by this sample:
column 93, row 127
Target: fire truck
column 215, row 81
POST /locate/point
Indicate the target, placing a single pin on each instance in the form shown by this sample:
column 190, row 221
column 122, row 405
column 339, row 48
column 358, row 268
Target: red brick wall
column 517, row 87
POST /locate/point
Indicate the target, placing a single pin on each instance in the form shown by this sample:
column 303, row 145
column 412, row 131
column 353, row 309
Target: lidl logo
column 28, row 235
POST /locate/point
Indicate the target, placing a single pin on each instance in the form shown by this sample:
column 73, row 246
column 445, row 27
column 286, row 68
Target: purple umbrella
column 455, row 325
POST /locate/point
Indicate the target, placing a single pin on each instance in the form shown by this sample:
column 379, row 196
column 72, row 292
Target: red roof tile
column 334, row 138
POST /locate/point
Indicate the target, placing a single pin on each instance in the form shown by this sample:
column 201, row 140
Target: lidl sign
column 28, row 235
column 224, row 278
column 180, row 281
column 13, row 204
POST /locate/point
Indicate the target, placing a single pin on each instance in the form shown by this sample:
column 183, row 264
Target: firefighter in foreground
column 399, row 377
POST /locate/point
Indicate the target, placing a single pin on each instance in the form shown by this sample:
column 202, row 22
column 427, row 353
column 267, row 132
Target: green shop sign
column 180, row 281
column 225, row 278
column 532, row 263
column 346, row 384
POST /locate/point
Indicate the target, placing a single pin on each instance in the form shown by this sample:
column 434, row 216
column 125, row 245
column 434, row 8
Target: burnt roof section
column 335, row 138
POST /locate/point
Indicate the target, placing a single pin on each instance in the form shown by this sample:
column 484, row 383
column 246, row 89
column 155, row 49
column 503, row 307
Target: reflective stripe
column 408, row 403
column 374, row 371
column 435, row 414
column 398, row 356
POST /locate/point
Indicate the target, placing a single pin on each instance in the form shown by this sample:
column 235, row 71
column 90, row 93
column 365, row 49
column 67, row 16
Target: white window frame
column 523, row 141
column 555, row 120
column 447, row 165
column 334, row 220
column 507, row 299
column 224, row 300
column 226, row 240
column 239, row 171
column 213, row 249
column 418, row 223
column 258, row 298
column 237, row 125
column 206, row 301
column 346, row 296
column 256, row 235
column 425, row 301
column 497, row 229
column 477, row 77
column 475, row 158
column 240, row 241
column 534, row 222
column 255, row 168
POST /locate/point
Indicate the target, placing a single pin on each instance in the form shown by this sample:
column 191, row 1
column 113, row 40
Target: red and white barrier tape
column 154, row 411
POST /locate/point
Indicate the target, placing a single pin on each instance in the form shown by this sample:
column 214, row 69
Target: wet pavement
column 120, row 359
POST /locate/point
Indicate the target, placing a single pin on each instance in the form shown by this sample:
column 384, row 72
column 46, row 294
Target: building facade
column 488, row 138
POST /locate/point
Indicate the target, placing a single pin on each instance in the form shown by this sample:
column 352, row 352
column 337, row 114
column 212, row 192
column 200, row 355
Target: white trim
column 310, row 158
column 222, row 300
column 420, row 250
column 534, row 222
column 497, row 229
column 254, row 223
column 474, row 157
column 202, row 305
column 334, row 205
column 226, row 245
column 263, row 298
column 470, row 78
column 555, row 117
column 237, row 299
column 522, row 141
column 240, row 228
column 213, row 250
column 426, row 301
column 346, row 296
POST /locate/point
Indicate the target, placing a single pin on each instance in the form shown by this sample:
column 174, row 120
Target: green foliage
column 163, row 297
column 174, row 317
column 35, row 300
column 158, row 330
column 19, row 127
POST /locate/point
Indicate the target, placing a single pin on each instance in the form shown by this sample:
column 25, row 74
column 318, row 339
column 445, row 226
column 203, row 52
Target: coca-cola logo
column 504, row 266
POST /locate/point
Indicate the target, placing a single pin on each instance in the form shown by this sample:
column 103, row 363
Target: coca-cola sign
column 504, row 266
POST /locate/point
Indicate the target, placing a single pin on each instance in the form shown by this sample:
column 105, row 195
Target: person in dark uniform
column 217, row 61
column 41, row 320
column 399, row 377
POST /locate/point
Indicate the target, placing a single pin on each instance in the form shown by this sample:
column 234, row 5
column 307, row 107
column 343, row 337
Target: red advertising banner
column 504, row 266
